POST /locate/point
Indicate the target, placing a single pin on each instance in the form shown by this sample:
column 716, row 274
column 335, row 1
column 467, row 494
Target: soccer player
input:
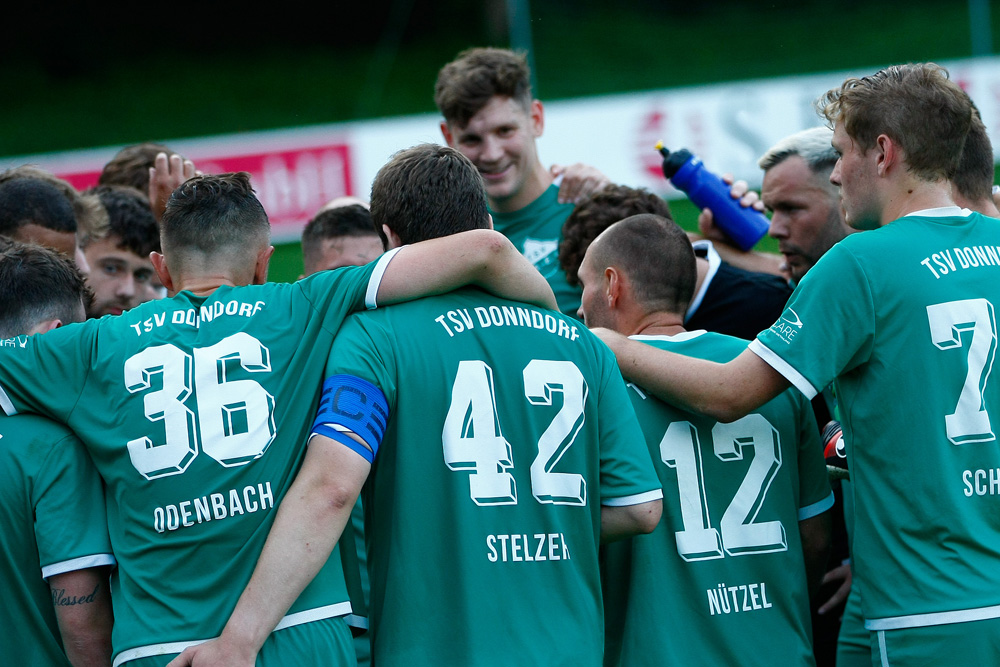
column 56, row 553
column 901, row 317
column 510, row 452
column 745, row 526
column 195, row 409
column 121, row 274
column 340, row 235
column 492, row 118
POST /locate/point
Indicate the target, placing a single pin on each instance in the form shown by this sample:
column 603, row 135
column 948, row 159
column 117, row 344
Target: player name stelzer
column 525, row 548
column 725, row 599
column 195, row 317
column 213, row 507
column 482, row 317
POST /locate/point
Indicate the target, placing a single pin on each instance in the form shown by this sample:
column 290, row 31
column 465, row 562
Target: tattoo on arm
column 60, row 599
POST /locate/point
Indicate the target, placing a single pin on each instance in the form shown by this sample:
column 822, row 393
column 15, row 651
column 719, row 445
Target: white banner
column 729, row 125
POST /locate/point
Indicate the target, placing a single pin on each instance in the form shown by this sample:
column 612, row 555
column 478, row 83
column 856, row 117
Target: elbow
column 649, row 518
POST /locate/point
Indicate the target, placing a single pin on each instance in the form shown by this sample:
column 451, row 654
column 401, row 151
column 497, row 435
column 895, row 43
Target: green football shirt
column 536, row 231
column 509, row 428
column 903, row 319
column 195, row 411
column 722, row 580
column 53, row 521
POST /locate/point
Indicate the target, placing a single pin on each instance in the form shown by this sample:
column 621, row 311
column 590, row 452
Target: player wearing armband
column 509, row 451
column 745, row 529
column 902, row 318
column 195, row 409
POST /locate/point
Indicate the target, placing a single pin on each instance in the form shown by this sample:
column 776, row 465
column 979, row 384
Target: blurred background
column 88, row 77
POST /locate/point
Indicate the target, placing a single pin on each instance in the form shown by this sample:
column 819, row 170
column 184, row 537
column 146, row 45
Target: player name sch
column 526, row 548
column 195, row 317
column 457, row 321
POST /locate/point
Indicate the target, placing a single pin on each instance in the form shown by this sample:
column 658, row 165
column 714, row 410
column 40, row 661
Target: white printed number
column 738, row 534
column 234, row 419
column 948, row 321
column 473, row 440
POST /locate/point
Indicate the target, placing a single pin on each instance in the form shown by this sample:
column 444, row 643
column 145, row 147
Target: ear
column 45, row 325
column 888, row 153
column 393, row 237
column 446, row 132
column 162, row 272
column 490, row 217
column 537, row 113
column 263, row 262
column 614, row 286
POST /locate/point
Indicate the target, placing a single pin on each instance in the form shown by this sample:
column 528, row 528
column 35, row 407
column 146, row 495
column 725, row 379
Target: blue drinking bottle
column 745, row 226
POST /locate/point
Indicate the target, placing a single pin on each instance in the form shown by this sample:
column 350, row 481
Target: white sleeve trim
column 809, row 511
column 637, row 499
column 933, row 618
column 376, row 278
column 7, row 404
column 74, row 564
column 777, row 363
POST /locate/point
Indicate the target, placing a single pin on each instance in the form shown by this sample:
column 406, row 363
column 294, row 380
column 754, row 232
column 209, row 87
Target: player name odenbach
column 213, row 507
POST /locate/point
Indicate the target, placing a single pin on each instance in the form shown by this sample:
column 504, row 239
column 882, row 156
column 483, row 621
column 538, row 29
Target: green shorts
column 326, row 642
column 854, row 647
column 970, row 643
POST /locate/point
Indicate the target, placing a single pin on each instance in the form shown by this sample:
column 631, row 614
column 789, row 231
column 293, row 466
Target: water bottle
column 686, row 172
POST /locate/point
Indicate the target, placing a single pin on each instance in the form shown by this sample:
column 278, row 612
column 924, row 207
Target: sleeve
column 347, row 289
column 70, row 519
column 815, row 494
column 363, row 348
column 627, row 473
column 46, row 373
column 827, row 328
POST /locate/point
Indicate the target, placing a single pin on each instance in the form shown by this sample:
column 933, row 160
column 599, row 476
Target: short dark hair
column 427, row 192
column 38, row 284
column 90, row 215
column 916, row 105
column 656, row 255
column 129, row 218
column 215, row 215
column 973, row 178
column 130, row 166
column 598, row 212
column 331, row 223
column 466, row 84
column 25, row 201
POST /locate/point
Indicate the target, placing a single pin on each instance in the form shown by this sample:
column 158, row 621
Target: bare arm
column 815, row 533
column 309, row 522
column 82, row 600
column 620, row 522
column 479, row 257
column 724, row 392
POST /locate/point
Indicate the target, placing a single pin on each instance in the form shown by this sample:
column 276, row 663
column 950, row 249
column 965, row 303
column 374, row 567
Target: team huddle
column 514, row 416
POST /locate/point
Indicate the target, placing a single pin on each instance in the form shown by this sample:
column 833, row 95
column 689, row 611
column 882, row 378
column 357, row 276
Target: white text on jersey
column 967, row 258
column 733, row 599
column 213, row 507
column 526, row 548
column 457, row 321
column 195, row 317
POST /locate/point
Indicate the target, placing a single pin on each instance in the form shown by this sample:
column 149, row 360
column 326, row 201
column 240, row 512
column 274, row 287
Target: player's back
column 721, row 581
column 509, row 427
column 52, row 521
column 195, row 411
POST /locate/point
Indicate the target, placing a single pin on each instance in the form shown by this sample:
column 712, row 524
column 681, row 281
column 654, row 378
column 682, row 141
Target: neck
column 203, row 285
column 659, row 324
column 701, row 272
column 916, row 195
column 536, row 184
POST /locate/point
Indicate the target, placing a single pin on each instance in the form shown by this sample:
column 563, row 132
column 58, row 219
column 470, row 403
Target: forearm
column 308, row 524
column 479, row 257
column 816, row 543
column 82, row 602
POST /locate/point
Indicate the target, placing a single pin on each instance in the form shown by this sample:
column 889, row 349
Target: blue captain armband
column 349, row 403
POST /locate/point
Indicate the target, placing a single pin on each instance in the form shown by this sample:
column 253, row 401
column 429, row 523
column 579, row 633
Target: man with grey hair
column 806, row 219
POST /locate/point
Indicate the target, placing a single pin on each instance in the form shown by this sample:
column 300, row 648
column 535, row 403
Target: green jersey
column 195, row 411
column 536, row 231
column 724, row 568
column 902, row 318
column 509, row 427
column 52, row 522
